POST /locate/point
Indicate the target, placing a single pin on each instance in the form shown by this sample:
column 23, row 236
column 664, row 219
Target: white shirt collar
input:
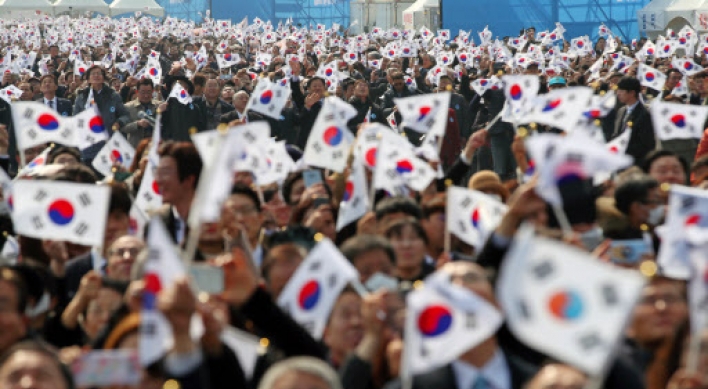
column 53, row 100
column 631, row 108
column 181, row 227
column 496, row 372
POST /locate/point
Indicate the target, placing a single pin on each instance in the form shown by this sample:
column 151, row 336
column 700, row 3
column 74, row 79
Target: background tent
column 659, row 15
column 80, row 6
column 149, row 7
column 24, row 8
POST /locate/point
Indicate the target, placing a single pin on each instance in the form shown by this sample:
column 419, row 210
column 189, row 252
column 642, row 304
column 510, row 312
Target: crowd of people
column 61, row 301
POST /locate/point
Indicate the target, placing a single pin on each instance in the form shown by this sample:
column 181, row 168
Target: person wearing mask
column 633, row 112
column 211, row 105
column 140, row 128
column 48, row 87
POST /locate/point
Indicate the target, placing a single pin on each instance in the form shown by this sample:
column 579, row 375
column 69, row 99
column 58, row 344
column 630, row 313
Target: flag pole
column 694, row 348
column 447, row 243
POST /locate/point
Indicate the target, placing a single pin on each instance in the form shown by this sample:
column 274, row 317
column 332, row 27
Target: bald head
column 240, row 100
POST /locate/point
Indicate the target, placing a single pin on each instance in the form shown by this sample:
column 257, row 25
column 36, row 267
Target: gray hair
column 307, row 365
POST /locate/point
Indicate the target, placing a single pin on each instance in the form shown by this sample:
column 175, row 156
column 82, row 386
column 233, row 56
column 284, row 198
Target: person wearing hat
column 557, row 82
column 178, row 119
column 634, row 115
column 488, row 182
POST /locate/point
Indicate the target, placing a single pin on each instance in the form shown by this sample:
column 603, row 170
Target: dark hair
column 632, row 191
column 362, row 244
column 46, row 350
column 650, row 158
column 397, row 76
column 288, row 185
column 54, row 79
column 398, row 204
column 14, row 278
column 672, row 70
column 120, row 198
column 90, row 69
column 76, row 173
column 57, row 150
column 241, row 189
column 629, row 84
column 397, row 226
column 187, row 158
column 315, row 78
column 145, row 81
column 199, row 79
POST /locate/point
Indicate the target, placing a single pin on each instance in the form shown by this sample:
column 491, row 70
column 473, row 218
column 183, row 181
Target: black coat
column 179, row 118
column 362, row 108
column 642, row 140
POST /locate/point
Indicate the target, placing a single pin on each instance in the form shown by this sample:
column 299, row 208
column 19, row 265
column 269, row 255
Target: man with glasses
column 243, row 214
column 122, row 255
column 139, row 128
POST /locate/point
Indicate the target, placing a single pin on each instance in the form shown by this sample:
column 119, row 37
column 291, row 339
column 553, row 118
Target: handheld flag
column 329, row 141
column 424, row 113
column 678, row 121
column 116, row 151
column 89, row 127
column 37, row 124
column 269, row 98
column 472, row 215
column 355, row 202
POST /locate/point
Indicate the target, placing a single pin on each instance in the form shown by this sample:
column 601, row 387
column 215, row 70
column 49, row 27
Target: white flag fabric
column 564, row 159
column 80, row 67
column 269, row 98
column 37, row 124
column 313, row 289
column 116, row 150
column 564, row 302
column 355, row 202
column 561, row 108
column 678, row 121
column 484, row 84
column 681, row 88
column 153, row 71
column 398, row 167
column 424, row 113
column 180, row 94
column 686, row 66
column 61, row 211
column 686, row 227
column 650, row 77
column 245, row 346
column 443, row 321
column 520, row 92
column 10, row 92
column 149, row 197
column 38, row 161
column 472, row 215
column 234, row 149
column 619, row 144
column 330, row 139
column 89, row 127
column 162, row 268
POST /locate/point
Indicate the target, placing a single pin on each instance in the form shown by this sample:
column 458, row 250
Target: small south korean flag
column 651, row 77
column 397, row 167
column 269, row 98
column 61, row 211
column 424, row 113
column 355, row 201
column 472, row 215
column 180, row 94
column 678, row 121
column 562, row 301
column 313, row 289
column 116, row 151
column 149, row 197
column 37, row 124
column 520, row 92
column 444, row 320
column 330, row 139
column 89, row 127
column 562, row 108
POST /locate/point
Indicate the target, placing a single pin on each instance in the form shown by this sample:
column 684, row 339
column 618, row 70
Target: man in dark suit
column 634, row 115
column 212, row 107
column 177, row 176
column 48, row 86
column 486, row 365
column 309, row 106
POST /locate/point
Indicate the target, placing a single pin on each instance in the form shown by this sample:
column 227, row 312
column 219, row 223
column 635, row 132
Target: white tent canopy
column 149, row 7
column 80, row 6
column 659, row 15
column 416, row 15
column 11, row 7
